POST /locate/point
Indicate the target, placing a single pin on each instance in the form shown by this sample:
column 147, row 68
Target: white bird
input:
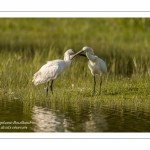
column 53, row 69
column 96, row 65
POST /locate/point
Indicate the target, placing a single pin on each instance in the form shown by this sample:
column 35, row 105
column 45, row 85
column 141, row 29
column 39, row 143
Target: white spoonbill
column 53, row 69
column 96, row 65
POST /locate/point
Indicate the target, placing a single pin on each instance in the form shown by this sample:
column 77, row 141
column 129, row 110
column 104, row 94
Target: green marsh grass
column 27, row 43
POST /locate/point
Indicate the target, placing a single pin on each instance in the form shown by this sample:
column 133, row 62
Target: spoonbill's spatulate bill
column 53, row 69
column 96, row 65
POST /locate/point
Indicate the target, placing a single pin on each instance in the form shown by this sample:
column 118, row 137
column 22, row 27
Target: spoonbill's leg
column 47, row 88
column 100, row 84
column 51, row 86
column 94, row 85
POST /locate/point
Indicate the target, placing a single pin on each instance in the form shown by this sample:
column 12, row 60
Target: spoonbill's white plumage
column 96, row 65
column 52, row 70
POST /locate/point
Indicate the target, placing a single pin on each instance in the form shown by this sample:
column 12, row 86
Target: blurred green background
column 122, row 42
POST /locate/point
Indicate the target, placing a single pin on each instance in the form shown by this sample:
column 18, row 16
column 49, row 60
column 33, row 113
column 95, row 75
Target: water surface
column 15, row 116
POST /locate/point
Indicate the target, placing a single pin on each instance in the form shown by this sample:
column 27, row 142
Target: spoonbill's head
column 70, row 54
column 87, row 49
column 84, row 49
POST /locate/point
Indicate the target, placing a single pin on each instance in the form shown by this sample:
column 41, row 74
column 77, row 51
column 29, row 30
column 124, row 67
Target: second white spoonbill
column 96, row 65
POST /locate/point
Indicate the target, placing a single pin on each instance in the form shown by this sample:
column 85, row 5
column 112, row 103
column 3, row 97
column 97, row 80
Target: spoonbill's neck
column 67, row 60
column 90, row 56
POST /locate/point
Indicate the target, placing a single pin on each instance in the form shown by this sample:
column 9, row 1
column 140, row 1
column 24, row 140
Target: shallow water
column 84, row 117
